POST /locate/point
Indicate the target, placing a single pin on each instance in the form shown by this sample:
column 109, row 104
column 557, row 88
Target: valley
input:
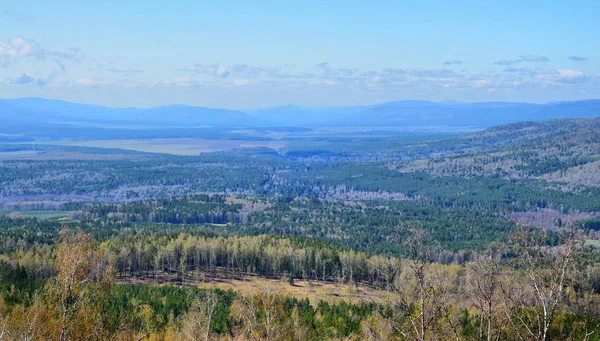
column 331, row 229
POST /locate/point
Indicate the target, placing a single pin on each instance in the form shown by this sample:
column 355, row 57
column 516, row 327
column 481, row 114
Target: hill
column 564, row 151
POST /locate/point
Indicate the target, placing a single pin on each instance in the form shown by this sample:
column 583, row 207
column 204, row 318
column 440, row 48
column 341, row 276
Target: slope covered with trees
column 561, row 151
column 529, row 290
column 392, row 238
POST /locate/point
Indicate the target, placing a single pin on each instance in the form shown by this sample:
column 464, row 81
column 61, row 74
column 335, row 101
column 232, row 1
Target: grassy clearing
column 38, row 214
column 21, row 154
column 592, row 242
column 175, row 146
column 313, row 290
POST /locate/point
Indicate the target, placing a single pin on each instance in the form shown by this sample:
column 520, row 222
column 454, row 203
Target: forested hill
column 565, row 151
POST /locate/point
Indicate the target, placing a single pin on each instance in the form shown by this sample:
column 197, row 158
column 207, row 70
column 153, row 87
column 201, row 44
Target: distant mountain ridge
column 38, row 110
column 424, row 113
column 399, row 113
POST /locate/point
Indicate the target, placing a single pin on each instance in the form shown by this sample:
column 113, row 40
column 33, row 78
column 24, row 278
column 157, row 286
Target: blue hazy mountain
column 296, row 115
column 425, row 113
column 43, row 111
column 40, row 112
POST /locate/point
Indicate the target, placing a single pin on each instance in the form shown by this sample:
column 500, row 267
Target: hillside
column 317, row 246
column 563, row 151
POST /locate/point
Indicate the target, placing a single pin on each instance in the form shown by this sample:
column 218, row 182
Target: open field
column 315, row 291
column 592, row 242
column 55, row 155
column 21, row 154
column 37, row 214
column 175, row 146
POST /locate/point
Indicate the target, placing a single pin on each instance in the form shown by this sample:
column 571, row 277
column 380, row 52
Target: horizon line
column 294, row 105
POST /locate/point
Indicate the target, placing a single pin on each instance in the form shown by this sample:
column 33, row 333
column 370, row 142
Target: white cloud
column 85, row 82
column 223, row 71
column 235, row 70
column 323, row 83
column 125, row 72
column 179, row 82
column 480, row 83
column 242, row 82
column 17, row 48
column 203, row 68
column 311, row 78
column 570, row 73
column 99, row 83
column 571, row 76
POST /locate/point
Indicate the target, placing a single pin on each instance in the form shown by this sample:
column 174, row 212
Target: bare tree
column 547, row 272
column 197, row 323
column 485, row 281
column 260, row 315
column 430, row 295
column 269, row 306
column 245, row 312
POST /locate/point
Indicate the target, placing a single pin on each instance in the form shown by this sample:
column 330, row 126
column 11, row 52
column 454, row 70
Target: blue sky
column 245, row 55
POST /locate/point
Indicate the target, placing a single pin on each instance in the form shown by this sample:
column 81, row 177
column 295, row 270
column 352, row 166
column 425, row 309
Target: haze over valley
column 384, row 171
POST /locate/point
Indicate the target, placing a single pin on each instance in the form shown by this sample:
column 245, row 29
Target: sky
column 258, row 54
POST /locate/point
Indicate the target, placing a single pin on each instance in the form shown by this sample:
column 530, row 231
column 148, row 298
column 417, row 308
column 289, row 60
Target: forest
column 78, row 288
column 492, row 235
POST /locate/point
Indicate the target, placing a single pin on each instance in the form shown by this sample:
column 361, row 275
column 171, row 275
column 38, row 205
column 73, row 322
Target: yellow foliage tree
column 79, row 292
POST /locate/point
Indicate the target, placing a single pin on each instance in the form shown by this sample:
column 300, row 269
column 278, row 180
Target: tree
column 23, row 323
column 484, row 285
column 377, row 328
column 261, row 316
column 547, row 272
column 198, row 321
column 430, row 292
column 245, row 312
column 79, row 291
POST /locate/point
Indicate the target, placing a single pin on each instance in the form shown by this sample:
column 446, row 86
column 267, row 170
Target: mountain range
column 38, row 111
column 425, row 113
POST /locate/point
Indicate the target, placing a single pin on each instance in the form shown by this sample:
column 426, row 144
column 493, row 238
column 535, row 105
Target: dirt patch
column 550, row 219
